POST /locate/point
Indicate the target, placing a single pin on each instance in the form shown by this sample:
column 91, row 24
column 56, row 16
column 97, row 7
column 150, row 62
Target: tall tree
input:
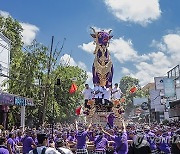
column 13, row 31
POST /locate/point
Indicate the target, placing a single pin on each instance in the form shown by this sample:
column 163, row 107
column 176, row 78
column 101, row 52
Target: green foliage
column 126, row 83
column 12, row 30
column 68, row 102
column 33, row 63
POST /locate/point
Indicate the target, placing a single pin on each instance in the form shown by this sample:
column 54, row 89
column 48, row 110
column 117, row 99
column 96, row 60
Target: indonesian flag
column 133, row 90
column 73, row 88
column 78, row 110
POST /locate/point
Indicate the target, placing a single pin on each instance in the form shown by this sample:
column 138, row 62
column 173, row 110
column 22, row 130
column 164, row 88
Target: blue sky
column 146, row 40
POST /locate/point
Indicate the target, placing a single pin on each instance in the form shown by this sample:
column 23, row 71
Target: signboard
column 6, row 99
column 169, row 87
column 155, row 98
column 144, row 106
column 138, row 101
column 159, row 83
column 9, row 99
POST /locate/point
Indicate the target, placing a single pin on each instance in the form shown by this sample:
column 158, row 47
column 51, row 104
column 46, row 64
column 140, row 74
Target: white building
column 4, row 59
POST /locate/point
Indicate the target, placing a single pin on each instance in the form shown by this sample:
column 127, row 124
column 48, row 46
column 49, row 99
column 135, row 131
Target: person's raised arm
column 90, row 125
column 124, row 126
column 105, row 131
column 76, row 125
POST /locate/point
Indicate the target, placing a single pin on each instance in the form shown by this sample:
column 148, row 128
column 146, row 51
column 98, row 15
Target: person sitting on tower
column 98, row 92
column 107, row 98
column 87, row 93
column 116, row 92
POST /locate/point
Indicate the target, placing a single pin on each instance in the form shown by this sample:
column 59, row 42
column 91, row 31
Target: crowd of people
column 128, row 138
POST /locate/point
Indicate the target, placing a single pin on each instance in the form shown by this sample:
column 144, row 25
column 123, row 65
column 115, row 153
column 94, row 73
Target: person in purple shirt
column 34, row 137
column 110, row 120
column 28, row 142
column 101, row 144
column 71, row 140
column 150, row 137
column 81, row 139
column 11, row 143
column 19, row 137
column 120, row 140
column 3, row 148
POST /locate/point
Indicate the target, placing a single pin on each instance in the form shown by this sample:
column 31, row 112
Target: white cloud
column 173, row 42
column 89, row 79
column 125, row 71
column 121, row 49
column 161, row 61
column 137, row 11
column 165, row 56
column 4, row 14
column 89, row 47
column 82, row 65
column 159, row 45
column 158, row 66
column 29, row 33
column 66, row 59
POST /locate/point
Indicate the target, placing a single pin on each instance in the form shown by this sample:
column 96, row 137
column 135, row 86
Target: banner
column 10, row 99
column 169, row 87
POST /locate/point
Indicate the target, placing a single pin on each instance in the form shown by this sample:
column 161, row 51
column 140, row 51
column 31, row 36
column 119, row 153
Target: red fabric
column 133, row 90
column 122, row 100
column 73, row 88
column 78, row 110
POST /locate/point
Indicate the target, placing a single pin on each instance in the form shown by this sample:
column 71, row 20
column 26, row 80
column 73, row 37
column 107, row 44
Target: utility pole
column 47, row 83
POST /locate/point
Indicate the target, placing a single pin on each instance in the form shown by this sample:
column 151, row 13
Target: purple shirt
column 27, row 142
column 121, row 141
column 150, row 138
column 101, row 143
column 3, row 150
column 91, row 136
column 163, row 146
column 110, row 119
column 11, row 142
column 81, row 140
column 18, row 139
column 71, row 138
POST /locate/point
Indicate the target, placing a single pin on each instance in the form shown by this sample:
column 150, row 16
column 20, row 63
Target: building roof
column 149, row 86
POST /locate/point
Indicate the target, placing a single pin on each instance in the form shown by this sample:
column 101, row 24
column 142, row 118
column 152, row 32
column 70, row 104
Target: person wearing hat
column 42, row 146
column 61, row 148
column 3, row 148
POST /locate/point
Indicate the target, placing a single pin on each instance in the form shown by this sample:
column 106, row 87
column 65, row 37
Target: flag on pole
column 133, row 90
column 73, row 88
column 78, row 110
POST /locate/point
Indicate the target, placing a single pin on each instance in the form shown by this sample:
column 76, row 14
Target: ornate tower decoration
column 102, row 68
